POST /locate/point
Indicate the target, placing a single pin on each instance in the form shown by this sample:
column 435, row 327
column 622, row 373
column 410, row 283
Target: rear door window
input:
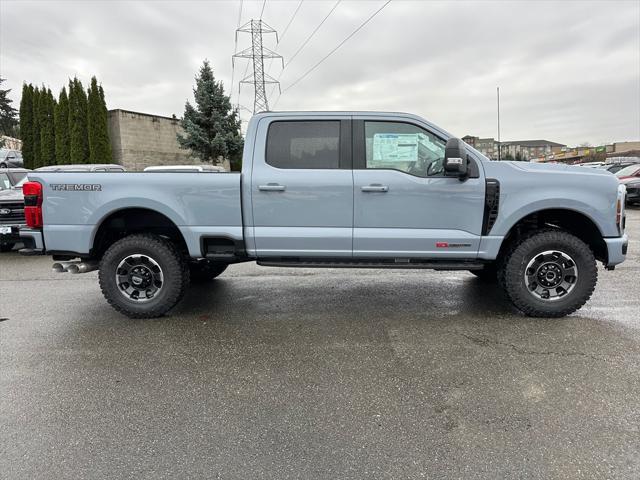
column 304, row 145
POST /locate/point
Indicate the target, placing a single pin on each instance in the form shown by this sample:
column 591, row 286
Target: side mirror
column 455, row 159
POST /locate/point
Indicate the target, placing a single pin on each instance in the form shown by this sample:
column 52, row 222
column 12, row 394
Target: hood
column 11, row 195
column 557, row 167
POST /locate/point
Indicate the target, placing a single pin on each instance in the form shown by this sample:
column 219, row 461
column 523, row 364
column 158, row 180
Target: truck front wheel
column 143, row 276
column 549, row 274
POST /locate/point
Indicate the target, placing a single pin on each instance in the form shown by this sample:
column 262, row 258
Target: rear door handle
column 271, row 187
column 375, row 187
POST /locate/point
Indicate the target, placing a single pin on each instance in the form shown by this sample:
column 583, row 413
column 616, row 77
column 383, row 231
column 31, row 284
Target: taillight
column 32, row 192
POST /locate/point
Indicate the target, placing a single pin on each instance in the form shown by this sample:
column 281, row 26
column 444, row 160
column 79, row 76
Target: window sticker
column 402, row 147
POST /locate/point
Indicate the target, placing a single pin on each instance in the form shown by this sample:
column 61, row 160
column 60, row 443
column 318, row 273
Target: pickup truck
column 335, row 189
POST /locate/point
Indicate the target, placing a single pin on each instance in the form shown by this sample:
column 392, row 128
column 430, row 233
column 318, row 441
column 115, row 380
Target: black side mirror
column 455, row 159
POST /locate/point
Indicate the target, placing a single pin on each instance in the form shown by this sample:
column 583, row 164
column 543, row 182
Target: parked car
column 630, row 171
column 9, row 177
column 10, row 158
column 11, row 211
column 591, row 164
column 615, row 164
column 633, row 191
column 327, row 189
column 185, row 168
column 98, row 167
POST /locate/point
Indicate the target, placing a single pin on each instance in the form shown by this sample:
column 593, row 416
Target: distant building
column 11, row 143
column 140, row 140
column 529, row 149
column 487, row 146
column 589, row 153
column 525, row 149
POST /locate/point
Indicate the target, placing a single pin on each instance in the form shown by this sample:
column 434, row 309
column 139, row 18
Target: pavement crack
column 486, row 341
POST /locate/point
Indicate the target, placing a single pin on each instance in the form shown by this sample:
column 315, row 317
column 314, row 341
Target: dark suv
column 11, row 206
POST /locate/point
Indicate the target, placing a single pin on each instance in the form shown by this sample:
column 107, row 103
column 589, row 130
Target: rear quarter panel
column 197, row 203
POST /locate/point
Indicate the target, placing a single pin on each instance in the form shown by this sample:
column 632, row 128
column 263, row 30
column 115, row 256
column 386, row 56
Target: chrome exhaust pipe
column 61, row 267
column 82, row 267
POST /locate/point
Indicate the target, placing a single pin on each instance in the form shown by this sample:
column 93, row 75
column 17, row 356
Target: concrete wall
column 139, row 140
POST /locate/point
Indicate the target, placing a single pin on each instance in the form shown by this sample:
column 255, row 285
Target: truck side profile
column 327, row 189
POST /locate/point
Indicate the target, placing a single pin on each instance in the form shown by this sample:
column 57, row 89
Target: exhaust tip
column 73, row 268
column 58, row 268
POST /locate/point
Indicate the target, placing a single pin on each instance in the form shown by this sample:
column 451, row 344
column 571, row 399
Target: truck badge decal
column 451, row 245
column 77, row 187
column 5, row 211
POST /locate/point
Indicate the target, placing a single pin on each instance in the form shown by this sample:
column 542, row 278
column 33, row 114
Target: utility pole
column 499, row 144
column 257, row 53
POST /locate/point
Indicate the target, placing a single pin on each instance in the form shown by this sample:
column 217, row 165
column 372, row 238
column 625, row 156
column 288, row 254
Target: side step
column 368, row 263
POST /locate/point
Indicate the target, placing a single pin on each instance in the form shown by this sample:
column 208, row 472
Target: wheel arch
column 573, row 221
column 131, row 220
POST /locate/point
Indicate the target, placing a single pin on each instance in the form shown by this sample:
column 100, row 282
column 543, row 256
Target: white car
column 185, row 168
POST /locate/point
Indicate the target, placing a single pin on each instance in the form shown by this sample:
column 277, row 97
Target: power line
column 262, row 11
column 291, row 85
column 304, row 43
column 284, row 32
column 312, row 34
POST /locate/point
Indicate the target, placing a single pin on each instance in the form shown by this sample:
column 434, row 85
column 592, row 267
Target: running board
column 365, row 263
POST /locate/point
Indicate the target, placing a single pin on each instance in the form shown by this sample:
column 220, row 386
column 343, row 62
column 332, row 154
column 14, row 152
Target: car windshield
column 21, row 182
column 628, row 171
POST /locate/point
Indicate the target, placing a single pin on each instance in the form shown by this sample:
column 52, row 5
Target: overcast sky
column 568, row 71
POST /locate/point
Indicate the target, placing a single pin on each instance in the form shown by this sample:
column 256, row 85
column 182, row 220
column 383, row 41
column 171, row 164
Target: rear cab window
column 312, row 144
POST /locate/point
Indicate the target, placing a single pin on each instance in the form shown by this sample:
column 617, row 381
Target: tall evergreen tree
column 37, row 153
column 61, row 123
column 8, row 121
column 26, row 124
column 212, row 127
column 99, row 147
column 79, row 141
column 47, row 128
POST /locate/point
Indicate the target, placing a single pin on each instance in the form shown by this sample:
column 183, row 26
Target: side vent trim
column 491, row 205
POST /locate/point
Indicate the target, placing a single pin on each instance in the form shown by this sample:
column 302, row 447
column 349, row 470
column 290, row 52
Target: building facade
column 487, row 146
column 140, row 140
column 521, row 149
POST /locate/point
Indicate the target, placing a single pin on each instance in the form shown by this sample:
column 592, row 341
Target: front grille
column 12, row 214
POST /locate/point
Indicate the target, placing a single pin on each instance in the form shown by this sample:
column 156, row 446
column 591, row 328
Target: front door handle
column 271, row 187
column 375, row 187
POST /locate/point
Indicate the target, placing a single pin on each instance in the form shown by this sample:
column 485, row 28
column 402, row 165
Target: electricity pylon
column 257, row 53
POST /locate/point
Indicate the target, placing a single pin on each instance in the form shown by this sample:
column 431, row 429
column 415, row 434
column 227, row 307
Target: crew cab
column 335, row 189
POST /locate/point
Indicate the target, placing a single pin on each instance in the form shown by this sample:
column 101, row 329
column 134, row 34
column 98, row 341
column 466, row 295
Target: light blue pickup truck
column 335, row 189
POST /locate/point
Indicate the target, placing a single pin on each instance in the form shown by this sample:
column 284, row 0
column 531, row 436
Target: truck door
column 302, row 187
column 404, row 206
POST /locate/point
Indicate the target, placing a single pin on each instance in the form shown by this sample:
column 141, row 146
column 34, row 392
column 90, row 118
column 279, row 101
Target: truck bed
column 198, row 204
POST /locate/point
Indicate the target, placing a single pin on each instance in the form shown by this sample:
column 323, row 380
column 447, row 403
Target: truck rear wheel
column 205, row 270
column 143, row 276
column 550, row 274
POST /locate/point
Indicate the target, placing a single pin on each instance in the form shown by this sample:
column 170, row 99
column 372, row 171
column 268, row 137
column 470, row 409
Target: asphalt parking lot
column 301, row 373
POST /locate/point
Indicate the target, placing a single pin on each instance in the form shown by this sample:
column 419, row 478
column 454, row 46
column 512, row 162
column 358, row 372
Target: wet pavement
column 304, row 373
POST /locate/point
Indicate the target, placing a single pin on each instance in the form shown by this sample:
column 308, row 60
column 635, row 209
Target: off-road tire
column 6, row 247
column 512, row 271
column 205, row 270
column 488, row 274
column 174, row 268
